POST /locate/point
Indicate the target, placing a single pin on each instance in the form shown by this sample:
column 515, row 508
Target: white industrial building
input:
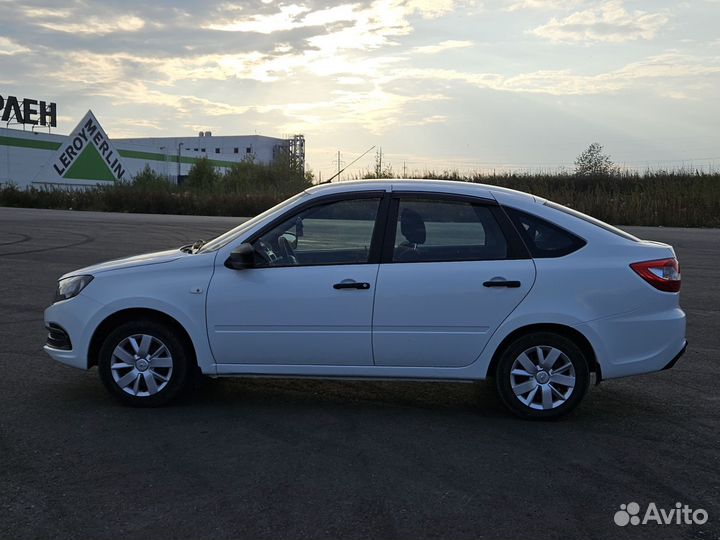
column 87, row 156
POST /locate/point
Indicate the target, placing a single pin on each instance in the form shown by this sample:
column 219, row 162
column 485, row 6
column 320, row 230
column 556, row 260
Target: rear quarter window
column 542, row 238
column 590, row 219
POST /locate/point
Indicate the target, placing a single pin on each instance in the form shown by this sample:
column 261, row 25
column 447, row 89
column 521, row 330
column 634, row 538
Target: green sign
column 87, row 155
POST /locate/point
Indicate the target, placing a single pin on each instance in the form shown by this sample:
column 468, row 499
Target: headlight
column 69, row 287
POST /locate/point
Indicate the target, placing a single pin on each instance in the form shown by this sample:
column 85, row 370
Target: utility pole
column 378, row 163
column 338, row 163
column 404, row 173
column 180, row 146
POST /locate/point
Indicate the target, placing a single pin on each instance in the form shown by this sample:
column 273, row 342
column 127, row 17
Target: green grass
column 674, row 198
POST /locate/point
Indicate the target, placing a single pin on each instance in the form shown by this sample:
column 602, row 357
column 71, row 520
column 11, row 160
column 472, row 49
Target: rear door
column 453, row 269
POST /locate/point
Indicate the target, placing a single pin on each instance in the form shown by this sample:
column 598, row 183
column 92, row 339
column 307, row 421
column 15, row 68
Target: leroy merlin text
column 89, row 133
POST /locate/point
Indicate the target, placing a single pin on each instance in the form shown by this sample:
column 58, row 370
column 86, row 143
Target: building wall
column 24, row 155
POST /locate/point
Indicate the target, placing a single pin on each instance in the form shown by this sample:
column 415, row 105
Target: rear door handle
column 362, row 285
column 502, row 283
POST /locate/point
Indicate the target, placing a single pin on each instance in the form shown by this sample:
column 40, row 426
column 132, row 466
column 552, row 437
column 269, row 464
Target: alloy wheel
column 141, row 365
column 542, row 377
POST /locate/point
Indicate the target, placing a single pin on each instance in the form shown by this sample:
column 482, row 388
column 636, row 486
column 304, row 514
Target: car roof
column 401, row 184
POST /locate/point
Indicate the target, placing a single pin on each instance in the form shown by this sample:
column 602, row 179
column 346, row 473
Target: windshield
column 232, row 234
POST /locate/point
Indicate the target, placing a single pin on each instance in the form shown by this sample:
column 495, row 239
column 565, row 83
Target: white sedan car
column 384, row 280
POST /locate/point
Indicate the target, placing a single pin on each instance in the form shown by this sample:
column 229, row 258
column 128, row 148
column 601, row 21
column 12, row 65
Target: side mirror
column 241, row 257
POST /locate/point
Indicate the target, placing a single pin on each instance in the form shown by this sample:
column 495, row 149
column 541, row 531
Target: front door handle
column 502, row 283
column 362, row 285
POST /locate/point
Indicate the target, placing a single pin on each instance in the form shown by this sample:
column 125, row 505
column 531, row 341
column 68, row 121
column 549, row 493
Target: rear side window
column 542, row 238
column 434, row 230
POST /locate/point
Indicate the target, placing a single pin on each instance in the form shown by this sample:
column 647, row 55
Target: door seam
column 372, row 316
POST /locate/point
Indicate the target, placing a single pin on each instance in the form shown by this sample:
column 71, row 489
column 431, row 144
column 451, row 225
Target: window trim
column 516, row 248
column 375, row 239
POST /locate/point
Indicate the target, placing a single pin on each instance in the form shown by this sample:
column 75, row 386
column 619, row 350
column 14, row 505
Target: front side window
column 447, row 230
column 337, row 232
column 225, row 238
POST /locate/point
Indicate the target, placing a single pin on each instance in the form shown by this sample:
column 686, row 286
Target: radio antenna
column 346, row 166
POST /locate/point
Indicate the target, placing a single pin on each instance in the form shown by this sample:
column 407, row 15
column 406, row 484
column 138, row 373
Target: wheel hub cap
column 542, row 377
column 142, row 364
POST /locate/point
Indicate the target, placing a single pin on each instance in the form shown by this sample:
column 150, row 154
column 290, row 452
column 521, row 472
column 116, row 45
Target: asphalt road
column 327, row 459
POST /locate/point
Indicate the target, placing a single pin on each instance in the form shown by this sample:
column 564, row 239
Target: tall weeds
column 666, row 198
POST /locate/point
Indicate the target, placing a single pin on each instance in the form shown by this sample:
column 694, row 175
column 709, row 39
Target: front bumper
column 58, row 338
column 75, row 318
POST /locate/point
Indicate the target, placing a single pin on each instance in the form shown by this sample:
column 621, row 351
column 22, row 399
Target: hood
column 128, row 262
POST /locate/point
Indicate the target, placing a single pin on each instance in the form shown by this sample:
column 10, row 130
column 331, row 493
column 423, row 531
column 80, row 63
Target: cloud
column 610, row 22
column 443, row 46
column 346, row 26
column 285, row 19
column 543, row 4
column 83, row 68
column 656, row 72
column 34, row 12
column 9, row 47
column 430, row 9
column 97, row 25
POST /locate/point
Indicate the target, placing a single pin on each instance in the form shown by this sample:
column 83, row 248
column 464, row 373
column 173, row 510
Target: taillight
column 663, row 274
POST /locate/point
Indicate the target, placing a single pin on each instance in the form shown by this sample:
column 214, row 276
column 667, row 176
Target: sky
column 437, row 84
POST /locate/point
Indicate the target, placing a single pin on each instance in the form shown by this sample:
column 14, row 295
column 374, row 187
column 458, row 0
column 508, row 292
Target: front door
column 309, row 301
column 452, row 275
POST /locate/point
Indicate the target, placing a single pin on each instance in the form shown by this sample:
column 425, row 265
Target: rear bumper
column 672, row 362
column 637, row 342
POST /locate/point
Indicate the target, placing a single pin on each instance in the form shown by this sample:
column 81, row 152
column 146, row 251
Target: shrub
column 203, row 176
column 594, row 162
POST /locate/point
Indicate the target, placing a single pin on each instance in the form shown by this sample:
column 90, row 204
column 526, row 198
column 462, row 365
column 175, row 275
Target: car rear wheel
column 542, row 376
column 144, row 364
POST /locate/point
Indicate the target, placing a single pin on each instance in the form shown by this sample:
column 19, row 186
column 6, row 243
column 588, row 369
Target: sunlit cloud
column 609, row 22
column 34, row 12
column 9, row 47
column 363, row 26
column 542, row 4
column 443, row 46
column 285, row 19
column 96, row 25
column 430, row 9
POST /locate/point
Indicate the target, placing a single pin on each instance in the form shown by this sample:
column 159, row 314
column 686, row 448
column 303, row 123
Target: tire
column 152, row 379
column 542, row 376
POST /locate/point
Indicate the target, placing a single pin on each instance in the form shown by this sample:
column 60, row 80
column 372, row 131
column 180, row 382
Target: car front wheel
column 542, row 376
column 144, row 364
